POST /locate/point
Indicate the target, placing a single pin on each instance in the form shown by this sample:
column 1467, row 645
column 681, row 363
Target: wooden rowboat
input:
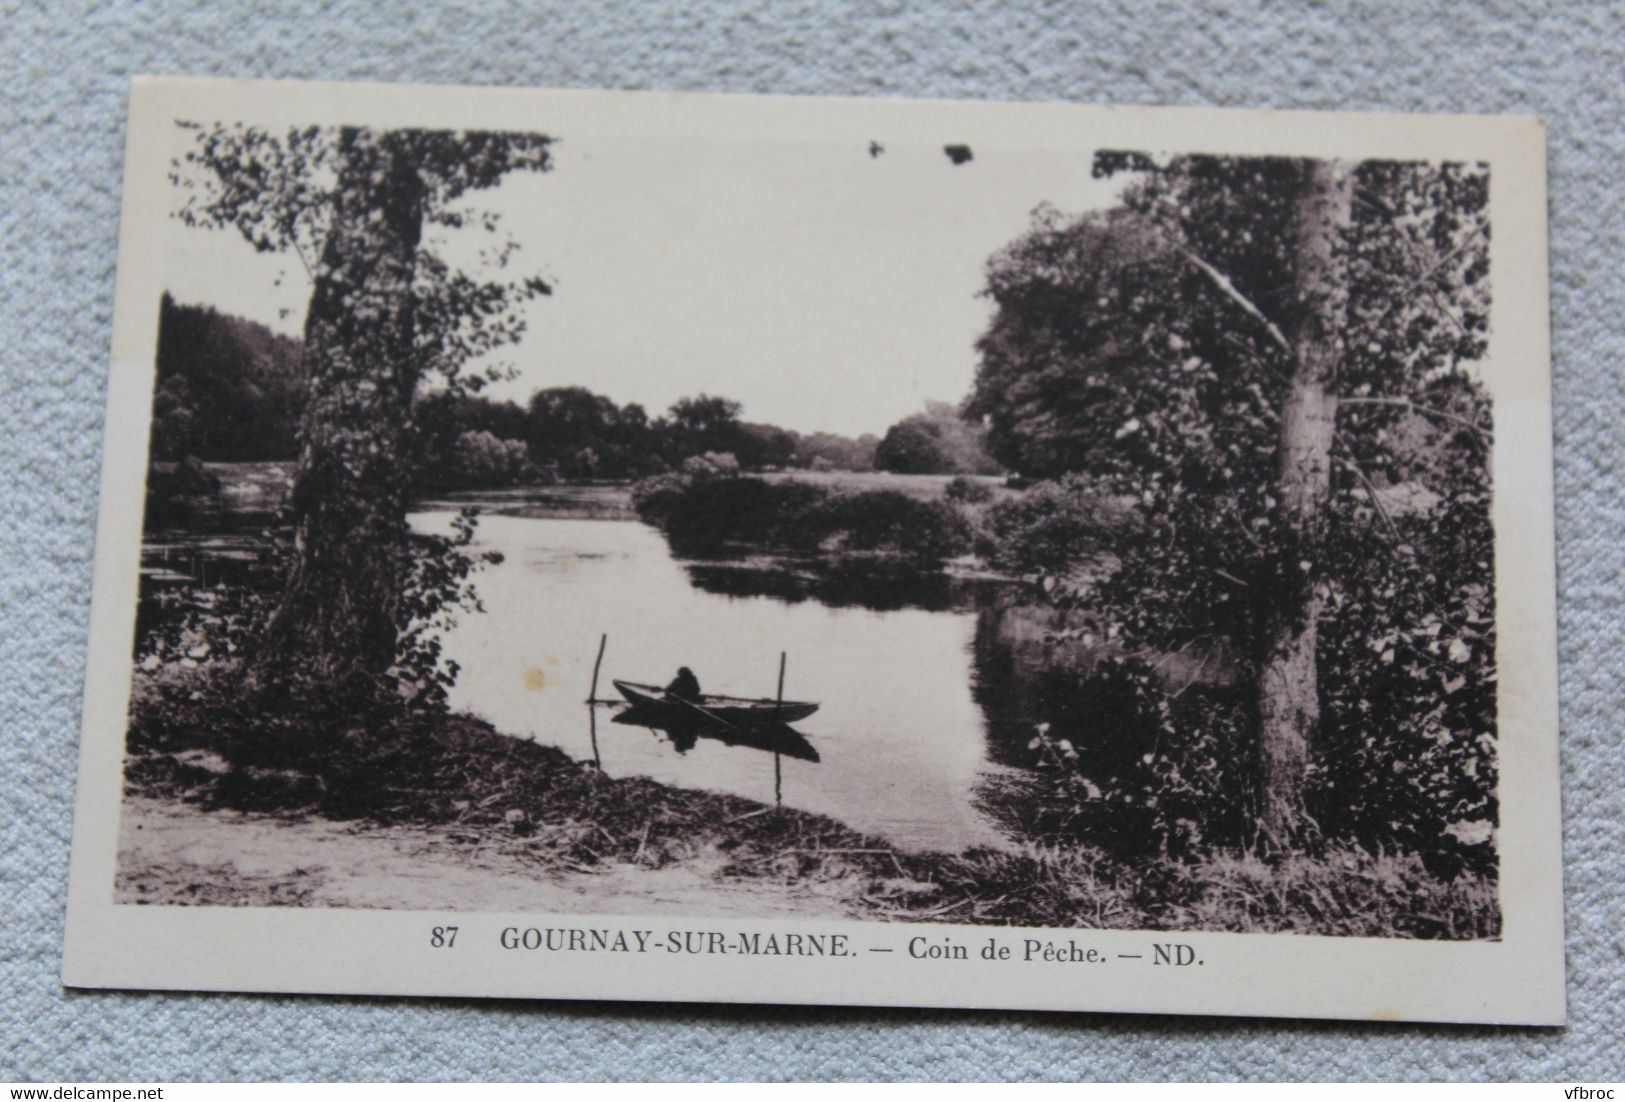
column 727, row 711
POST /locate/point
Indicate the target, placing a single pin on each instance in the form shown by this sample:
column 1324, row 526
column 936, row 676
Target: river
column 928, row 685
column 902, row 739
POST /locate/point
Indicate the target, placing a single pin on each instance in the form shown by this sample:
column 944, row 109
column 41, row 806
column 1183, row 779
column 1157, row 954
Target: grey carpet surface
column 65, row 69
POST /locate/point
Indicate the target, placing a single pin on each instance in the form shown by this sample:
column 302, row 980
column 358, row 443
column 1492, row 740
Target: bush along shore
column 195, row 737
column 709, row 508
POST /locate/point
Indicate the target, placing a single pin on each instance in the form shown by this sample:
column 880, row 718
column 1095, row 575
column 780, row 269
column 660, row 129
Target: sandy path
column 176, row 853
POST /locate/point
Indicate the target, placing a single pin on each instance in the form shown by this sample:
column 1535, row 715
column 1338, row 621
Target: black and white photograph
column 781, row 514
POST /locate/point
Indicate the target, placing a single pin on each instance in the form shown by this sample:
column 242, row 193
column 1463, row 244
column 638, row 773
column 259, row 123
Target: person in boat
column 685, row 686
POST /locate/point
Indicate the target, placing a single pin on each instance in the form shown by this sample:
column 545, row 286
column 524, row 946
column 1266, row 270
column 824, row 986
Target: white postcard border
column 1518, row 979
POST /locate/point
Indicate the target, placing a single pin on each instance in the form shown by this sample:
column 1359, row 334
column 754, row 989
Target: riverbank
column 452, row 810
column 449, row 812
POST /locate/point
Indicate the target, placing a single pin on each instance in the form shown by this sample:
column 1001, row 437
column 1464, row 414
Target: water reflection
column 770, row 735
column 877, row 587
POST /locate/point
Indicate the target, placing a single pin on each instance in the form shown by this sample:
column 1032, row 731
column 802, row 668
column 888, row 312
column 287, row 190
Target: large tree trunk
column 1288, row 692
column 339, row 615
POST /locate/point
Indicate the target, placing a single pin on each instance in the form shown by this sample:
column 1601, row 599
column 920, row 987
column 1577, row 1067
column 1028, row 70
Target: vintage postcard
column 687, row 547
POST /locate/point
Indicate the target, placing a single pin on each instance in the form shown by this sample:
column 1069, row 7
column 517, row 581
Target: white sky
column 821, row 287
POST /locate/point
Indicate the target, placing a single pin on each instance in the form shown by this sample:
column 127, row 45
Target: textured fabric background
column 65, row 68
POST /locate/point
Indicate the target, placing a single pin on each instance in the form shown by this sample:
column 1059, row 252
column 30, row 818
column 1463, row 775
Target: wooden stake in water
column 592, row 702
column 592, row 727
column 778, row 769
column 603, row 640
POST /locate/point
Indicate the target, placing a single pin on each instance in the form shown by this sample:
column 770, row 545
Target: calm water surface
column 903, row 740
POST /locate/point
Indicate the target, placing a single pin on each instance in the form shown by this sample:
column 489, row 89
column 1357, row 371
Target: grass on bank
column 457, row 773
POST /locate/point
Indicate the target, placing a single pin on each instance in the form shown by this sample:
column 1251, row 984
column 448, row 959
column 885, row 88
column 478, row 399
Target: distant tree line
column 572, row 433
column 231, row 390
column 228, row 389
column 1270, row 363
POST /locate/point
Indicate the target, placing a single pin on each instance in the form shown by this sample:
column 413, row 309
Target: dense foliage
column 1064, row 526
column 708, row 509
column 1149, row 349
column 1155, row 771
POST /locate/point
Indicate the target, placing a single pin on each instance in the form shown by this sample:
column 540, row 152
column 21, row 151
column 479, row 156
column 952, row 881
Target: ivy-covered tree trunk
column 338, row 617
column 1288, row 689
